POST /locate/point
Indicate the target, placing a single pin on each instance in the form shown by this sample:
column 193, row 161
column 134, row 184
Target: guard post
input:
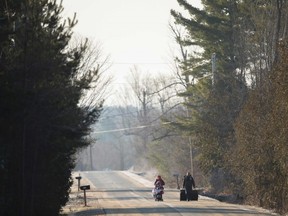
column 84, row 188
column 177, row 180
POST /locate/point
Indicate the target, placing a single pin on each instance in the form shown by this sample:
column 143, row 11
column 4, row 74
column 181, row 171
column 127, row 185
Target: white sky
column 131, row 32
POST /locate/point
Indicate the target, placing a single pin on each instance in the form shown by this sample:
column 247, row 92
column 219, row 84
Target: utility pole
column 190, row 147
column 191, row 156
column 91, row 157
column 213, row 62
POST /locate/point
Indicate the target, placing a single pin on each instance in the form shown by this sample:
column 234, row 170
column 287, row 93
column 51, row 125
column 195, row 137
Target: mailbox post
column 84, row 188
column 78, row 178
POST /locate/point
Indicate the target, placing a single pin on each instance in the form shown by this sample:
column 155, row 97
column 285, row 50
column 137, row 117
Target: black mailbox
column 78, row 177
column 85, row 187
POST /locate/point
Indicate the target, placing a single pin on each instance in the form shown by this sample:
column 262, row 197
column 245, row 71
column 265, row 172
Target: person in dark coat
column 188, row 184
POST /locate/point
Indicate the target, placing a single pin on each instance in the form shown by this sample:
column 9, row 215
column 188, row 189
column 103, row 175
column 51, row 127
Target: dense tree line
column 260, row 156
column 235, row 95
column 42, row 122
column 213, row 104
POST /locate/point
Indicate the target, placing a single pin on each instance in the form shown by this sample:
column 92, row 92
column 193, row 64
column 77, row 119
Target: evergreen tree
column 42, row 124
column 213, row 113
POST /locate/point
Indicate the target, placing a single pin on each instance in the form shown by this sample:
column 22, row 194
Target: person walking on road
column 188, row 184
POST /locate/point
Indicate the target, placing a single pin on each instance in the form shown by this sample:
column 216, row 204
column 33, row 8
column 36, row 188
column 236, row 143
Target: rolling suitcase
column 194, row 195
column 183, row 195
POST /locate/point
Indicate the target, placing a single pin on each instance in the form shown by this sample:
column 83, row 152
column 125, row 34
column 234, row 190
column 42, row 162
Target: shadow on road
column 160, row 210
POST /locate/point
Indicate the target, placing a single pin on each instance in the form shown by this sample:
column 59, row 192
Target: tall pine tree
column 42, row 124
column 214, row 30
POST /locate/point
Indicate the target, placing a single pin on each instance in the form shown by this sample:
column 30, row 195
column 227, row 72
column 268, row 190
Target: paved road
column 122, row 193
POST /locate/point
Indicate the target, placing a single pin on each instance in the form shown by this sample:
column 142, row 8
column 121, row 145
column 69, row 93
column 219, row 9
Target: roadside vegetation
column 44, row 120
column 237, row 116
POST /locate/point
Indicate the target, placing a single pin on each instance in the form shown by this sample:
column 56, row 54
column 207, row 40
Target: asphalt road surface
column 125, row 193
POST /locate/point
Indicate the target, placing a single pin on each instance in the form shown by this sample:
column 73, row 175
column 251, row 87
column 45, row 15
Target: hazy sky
column 132, row 32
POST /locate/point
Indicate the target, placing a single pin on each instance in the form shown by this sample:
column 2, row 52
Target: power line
column 136, row 63
column 130, row 128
